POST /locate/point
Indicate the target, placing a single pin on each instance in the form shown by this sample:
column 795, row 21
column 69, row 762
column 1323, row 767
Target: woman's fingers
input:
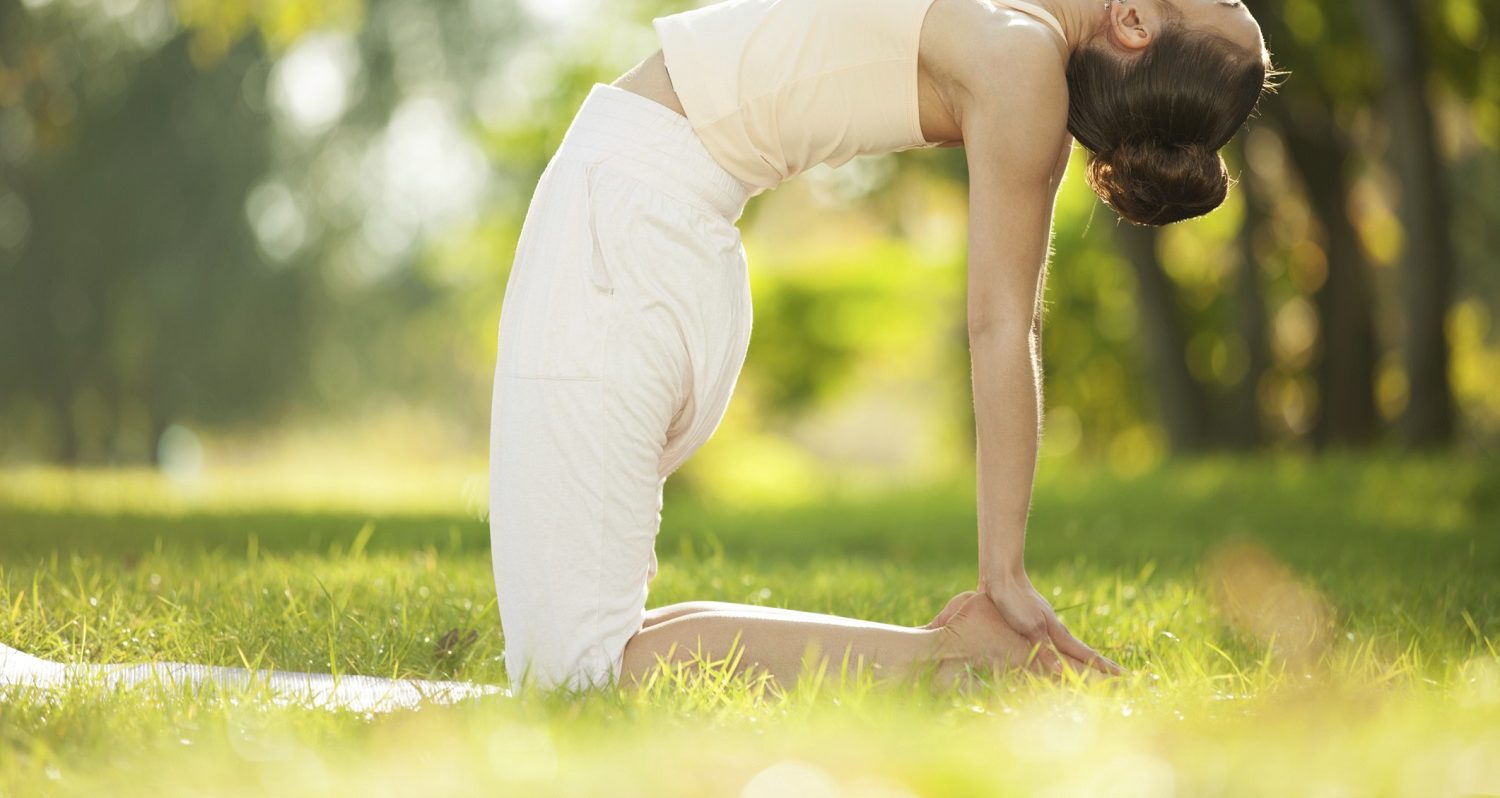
column 1077, row 649
column 1025, row 617
column 1085, row 673
column 1045, row 658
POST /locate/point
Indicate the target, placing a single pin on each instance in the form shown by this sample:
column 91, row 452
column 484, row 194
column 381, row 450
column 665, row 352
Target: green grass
column 1295, row 627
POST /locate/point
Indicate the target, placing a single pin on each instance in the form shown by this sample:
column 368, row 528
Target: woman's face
column 1134, row 24
column 1227, row 18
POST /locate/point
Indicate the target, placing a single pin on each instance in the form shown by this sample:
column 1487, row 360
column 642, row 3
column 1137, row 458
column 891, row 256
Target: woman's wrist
column 1003, row 576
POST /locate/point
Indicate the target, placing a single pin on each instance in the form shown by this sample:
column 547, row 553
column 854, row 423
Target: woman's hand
column 1029, row 614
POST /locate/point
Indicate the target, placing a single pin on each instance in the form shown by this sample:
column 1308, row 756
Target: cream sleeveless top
column 773, row 87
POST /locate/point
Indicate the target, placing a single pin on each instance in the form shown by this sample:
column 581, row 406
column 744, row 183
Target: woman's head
column 1156, row 93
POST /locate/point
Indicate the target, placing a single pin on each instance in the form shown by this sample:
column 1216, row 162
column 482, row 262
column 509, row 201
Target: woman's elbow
column 1002, row 327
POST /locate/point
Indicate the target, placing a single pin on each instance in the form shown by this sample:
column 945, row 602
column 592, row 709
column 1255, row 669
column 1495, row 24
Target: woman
column 627, row 312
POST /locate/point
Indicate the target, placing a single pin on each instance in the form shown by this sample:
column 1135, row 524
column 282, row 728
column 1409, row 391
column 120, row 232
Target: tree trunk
column 1346, row 320
column 1183, row 403
column 1243, row 427
column 1395, row 30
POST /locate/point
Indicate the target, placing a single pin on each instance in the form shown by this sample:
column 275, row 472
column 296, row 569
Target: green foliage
column 818, row 318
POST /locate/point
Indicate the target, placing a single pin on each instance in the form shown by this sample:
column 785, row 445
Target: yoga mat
column 318, row 690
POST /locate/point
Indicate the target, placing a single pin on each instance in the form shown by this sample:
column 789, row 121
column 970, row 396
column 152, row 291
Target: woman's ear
column 1132, row 27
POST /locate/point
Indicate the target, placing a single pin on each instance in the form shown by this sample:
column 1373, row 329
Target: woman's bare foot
column 987, row 641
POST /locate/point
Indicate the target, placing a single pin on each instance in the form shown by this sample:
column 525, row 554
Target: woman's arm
column 1015, row 135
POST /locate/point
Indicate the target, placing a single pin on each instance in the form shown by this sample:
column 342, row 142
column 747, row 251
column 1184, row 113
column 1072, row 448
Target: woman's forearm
column 1016, row 163
column 1007, row 419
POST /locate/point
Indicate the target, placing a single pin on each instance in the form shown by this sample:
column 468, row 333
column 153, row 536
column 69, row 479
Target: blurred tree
column 1325, row 52
column 137, row 293
column 1345, row 364
column 1397, row 34
column 1183, row 403
column 208, row 225
column 1242, row 424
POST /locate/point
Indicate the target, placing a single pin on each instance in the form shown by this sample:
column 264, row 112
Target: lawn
column 1295, row 627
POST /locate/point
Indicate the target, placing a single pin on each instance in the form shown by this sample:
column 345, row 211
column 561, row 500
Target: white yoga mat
column 319, row 690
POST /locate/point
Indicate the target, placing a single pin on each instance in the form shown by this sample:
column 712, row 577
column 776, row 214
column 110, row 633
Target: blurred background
column 243, row 233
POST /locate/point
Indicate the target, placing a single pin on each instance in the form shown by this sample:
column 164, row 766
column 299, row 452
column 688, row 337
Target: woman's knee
column 558, row 659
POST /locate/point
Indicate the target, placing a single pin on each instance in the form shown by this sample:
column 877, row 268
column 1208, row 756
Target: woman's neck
column 1081, row 20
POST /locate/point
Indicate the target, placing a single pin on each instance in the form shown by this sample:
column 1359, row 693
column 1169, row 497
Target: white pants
column 623, row 329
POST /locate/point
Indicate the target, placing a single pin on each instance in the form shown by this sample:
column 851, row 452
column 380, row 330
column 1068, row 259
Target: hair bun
column 1156, row 184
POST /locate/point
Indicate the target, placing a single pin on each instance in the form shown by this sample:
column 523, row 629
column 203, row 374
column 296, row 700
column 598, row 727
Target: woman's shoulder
column 1004, row 79
column 983, row 47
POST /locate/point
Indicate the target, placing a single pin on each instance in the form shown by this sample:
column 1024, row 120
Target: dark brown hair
column 1154, row 125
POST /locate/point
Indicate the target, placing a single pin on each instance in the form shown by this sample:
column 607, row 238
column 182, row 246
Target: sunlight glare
column 312, row 85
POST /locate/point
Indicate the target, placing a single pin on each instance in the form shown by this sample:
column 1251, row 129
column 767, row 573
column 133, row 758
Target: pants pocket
column 559, row 299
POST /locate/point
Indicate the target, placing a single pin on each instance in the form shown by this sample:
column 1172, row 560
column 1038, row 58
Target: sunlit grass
column 1294, row 628
column 449, row 489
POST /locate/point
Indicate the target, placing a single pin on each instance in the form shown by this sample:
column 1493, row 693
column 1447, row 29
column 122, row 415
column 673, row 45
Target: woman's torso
column 776, row 86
